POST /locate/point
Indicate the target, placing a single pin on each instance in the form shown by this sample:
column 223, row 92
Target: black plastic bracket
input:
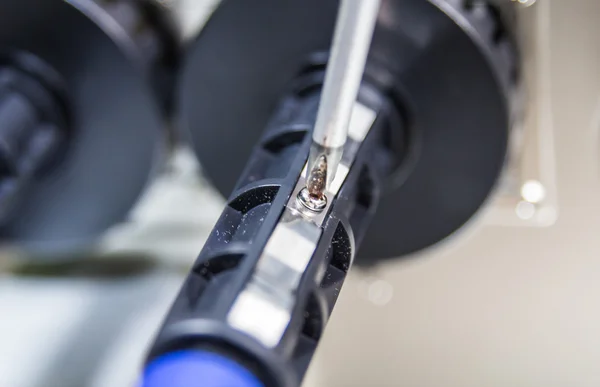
column 198, row 318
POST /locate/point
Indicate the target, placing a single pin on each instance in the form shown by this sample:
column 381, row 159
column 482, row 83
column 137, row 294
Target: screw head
column 311, row 202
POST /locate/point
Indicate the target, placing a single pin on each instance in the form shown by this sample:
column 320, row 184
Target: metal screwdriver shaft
column 351, row 42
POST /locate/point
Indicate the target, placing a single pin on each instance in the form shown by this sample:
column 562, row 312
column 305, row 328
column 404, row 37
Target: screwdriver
column 351, row 42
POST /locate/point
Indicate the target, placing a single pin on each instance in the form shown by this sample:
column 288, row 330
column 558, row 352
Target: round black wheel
column 451, row 83
column 115, row 129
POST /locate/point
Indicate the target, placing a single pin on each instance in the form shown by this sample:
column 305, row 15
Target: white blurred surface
column 33, row 335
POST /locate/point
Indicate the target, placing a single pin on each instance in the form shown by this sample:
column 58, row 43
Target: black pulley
column 448, row 65
column 83, row 92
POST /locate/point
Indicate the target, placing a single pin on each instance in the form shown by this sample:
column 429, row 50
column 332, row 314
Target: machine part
column 310, row 201
column 96, row 75
column 316, row 183
column 33, row 124
column 353, row 33
column 154, row 37
column 265, row 308
column 269, row 275
column 449, row 66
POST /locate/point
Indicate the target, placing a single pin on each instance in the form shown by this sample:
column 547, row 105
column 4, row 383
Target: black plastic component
column 33, row 125
column 452, row 84
column 227, row 261
column 99, row 68
column 154, row 40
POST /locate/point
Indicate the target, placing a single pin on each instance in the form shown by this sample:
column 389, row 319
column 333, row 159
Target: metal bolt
column 312, row 202
column 316, row 182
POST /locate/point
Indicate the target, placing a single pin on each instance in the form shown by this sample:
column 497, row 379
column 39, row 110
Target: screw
column 312, row 202
column 317, row 178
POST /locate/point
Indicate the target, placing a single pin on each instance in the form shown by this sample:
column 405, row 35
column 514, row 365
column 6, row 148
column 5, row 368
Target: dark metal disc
column 455, row 105
column 116, row 124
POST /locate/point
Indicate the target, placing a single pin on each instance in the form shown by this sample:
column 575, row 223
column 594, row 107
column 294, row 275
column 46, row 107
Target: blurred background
column 510, row 299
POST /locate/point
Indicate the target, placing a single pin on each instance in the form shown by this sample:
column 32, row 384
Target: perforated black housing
column 441, row 73
column 228, row 259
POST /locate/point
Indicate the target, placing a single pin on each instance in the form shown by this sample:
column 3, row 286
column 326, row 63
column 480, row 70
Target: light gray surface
column 79, row 332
